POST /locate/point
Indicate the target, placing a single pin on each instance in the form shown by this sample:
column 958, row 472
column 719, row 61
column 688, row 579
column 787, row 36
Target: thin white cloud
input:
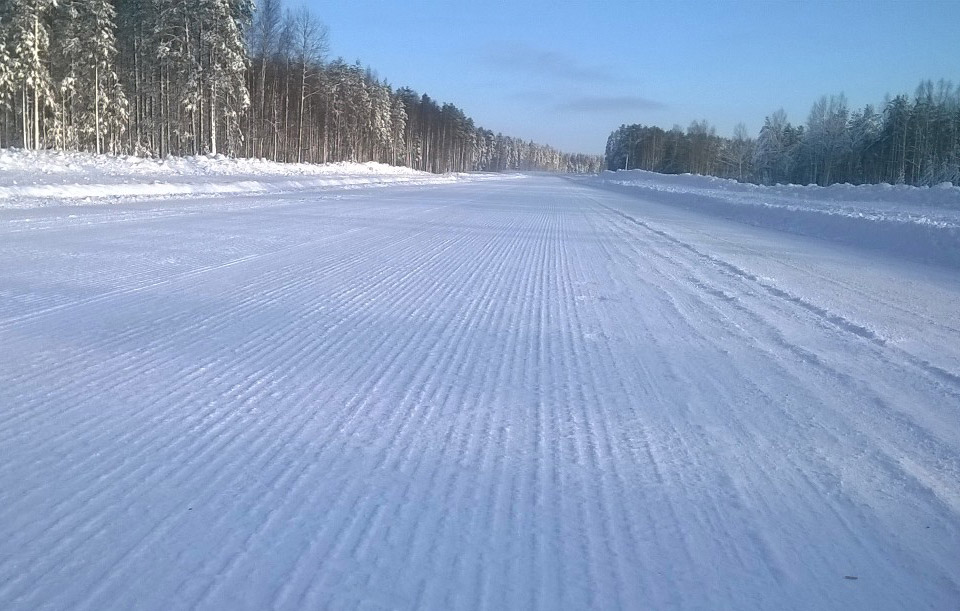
column 610, row 103
column 543, row 63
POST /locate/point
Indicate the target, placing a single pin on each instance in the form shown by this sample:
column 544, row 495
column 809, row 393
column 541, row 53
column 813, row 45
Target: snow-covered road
column 524, row 394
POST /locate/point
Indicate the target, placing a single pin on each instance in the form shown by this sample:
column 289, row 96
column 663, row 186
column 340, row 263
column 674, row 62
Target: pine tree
column 398, row 125
column 224, row 60
column 7, row 73
column 30, row 47
column 64, row 52
column 104, row 105
column 69, row 67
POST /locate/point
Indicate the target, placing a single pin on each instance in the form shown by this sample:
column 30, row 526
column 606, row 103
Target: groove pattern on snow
column 526, row 394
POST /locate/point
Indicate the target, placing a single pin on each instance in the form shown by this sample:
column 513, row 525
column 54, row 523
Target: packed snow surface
column 523, row 394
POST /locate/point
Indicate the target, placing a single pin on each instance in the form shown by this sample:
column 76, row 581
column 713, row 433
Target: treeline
column 184, row 77
column 909, row 140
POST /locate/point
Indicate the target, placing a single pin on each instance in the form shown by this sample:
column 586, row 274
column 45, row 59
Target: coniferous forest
column 184, row 77
column 911, row 140
column 234, row 77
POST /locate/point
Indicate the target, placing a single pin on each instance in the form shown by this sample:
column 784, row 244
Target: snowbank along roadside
column 32, row 179
column 920, row 223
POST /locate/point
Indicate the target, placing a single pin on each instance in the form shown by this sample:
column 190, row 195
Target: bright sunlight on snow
column 264, row 390
column 31, row 179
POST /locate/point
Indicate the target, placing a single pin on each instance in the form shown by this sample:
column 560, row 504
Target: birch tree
column 310, row 47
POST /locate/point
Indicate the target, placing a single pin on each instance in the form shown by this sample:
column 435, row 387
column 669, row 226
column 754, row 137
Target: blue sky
column 567, row 73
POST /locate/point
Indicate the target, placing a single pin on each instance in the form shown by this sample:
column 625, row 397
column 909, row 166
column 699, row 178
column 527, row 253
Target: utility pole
column 626, row 162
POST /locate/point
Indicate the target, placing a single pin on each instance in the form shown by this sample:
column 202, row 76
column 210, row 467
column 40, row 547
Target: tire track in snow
column 718, row 386
column 841, row 323
column 724, row 305
column 899, row 421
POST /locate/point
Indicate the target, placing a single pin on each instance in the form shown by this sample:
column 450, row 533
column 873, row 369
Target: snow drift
column 917, row 222
column 30, row 179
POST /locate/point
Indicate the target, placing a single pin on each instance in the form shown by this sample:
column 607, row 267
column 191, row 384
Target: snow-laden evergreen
column 187, row 77
column 28, row 39
column 103, row 102
column 912, row 141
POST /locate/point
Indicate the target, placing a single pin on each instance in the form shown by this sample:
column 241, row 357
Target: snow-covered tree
column 865, row 139
column 222, row 24
column 64, row 52
column 8, row 69
column 826, row 141
column 104, row 104
column 171, row 77
column 771, row 158
column 29, row 44
column 310, row 49
column 740, row 151
column 398, row 127
column 263, row 41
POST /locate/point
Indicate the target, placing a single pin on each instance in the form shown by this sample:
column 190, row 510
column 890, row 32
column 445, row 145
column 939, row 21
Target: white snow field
column 31, row 179
column 516, row 394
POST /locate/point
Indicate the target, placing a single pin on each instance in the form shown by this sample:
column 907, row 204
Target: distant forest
column 909, row 140
column 185, row 77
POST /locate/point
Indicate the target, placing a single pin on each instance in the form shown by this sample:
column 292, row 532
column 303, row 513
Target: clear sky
column 567, row 72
